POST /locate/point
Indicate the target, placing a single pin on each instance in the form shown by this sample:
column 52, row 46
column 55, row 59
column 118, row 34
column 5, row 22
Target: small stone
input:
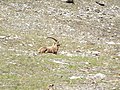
column 68, row 1
column 100, row 3
column 74, row 77
column 30, row 45
column 51, row 87
column 99, row 76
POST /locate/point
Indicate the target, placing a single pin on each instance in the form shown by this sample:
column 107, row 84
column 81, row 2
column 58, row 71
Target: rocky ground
column 89, row 56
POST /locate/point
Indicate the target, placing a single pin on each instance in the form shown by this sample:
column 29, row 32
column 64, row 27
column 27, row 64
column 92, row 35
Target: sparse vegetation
column 89, row 57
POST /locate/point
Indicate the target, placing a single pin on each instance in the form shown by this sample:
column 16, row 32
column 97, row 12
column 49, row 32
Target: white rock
column 74, row 77
column 2, row 37
column 69, row 54
column 30, row 45
column 118, row 43
column 99, row 76
column 60, row 62
column 111, row 43
column 95, row 53
column 63, row 52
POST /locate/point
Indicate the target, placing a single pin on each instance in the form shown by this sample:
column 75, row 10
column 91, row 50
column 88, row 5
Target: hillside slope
column 89, row 34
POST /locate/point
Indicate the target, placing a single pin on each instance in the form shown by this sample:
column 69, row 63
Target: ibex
column 50, row 49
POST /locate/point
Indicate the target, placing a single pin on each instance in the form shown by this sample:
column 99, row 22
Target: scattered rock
column 51, row 87
column 83, row 22
column 31, row 45
column 86, row 63
column 113, row 43
column 99, row 3
column 95, row 53
column 98, row 76
column 59, row 61
column 4, row 37
column 75, row 77
column 68, row 1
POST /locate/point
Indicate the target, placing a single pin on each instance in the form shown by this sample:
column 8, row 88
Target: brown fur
column 50, row 49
